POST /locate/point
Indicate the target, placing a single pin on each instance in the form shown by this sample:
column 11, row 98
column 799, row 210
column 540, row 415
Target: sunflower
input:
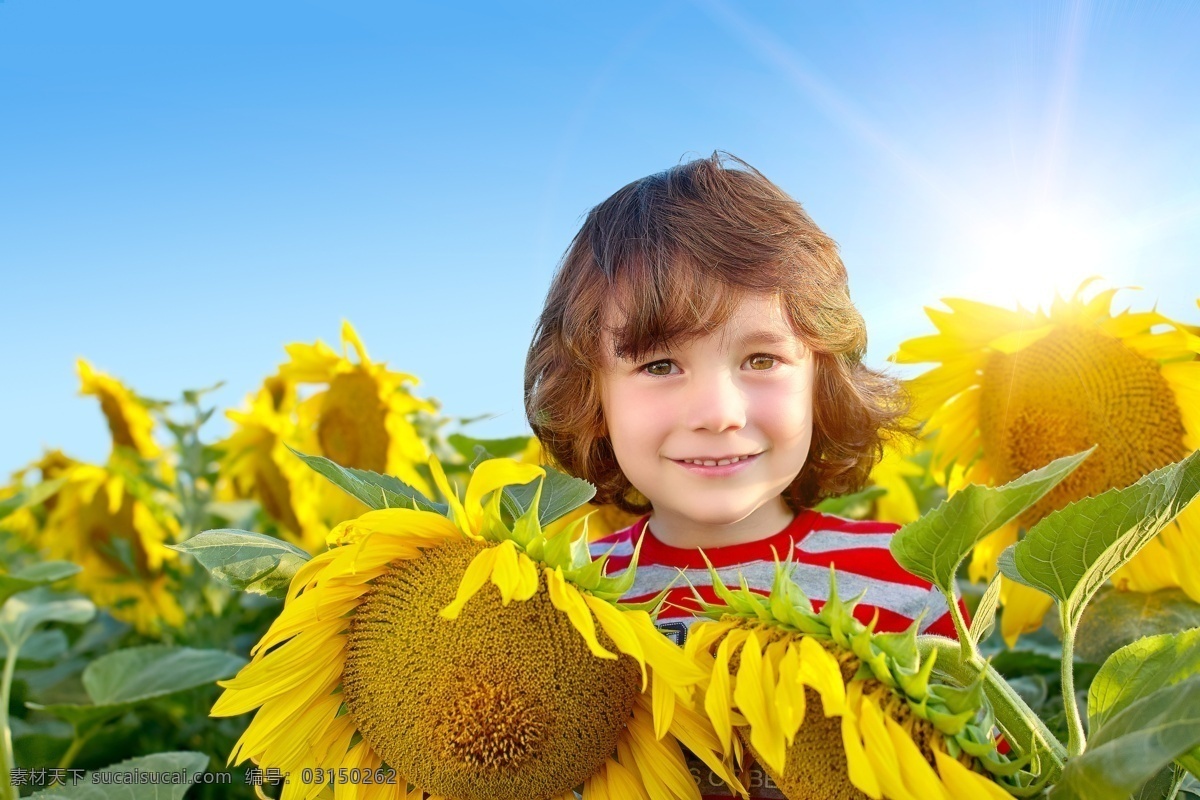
column 469, row 660
column 363, row 417
column 128, row 415
column 1015, row 389
column 831, row 709
column 891, row 474
column 105, row 520
column 256, row 463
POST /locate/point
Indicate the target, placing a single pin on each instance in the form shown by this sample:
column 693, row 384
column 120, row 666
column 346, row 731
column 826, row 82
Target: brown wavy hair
column 670, row 256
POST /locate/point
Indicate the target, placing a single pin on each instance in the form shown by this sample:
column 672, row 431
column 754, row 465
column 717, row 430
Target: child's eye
column 761, row 362
column 659, row 368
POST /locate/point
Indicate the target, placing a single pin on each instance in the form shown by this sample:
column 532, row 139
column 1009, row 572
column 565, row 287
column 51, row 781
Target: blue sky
column 186, row 187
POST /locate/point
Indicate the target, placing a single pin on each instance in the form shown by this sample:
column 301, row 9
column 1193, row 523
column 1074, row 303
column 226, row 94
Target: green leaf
column 94, row 787
column 496, row 448
column 140, row 673
column 561, row 494
column 1115, row 618
column 35, row 575
column 985, row 613
column 22, row 613
column 41, row 646
column 935, row 545
column 375, row 490
column 30, row 497
column 1140, row 669
column 248, row 561
column 117, row 681
column 1071, row 552
column 852, row 505
column 1135, row 744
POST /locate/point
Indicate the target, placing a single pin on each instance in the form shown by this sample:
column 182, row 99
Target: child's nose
column 716, row 404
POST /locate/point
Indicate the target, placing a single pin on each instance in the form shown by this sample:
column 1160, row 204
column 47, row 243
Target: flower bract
column 831, row 709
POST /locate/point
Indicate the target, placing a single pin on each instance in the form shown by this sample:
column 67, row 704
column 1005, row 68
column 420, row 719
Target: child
column 699, row 360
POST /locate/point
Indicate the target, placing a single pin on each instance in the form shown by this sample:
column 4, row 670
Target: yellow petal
column 663, row 704
column 881, row 753
column 695, row 732
column 962, row 782
column 506, row 572
column 566, row 598
column 620, row 630
column 790, row 695
column 493, row 474
column 665, row 656
column 474, row 577
column 660, row 765
column 351, row 337
column 719, row 697
column 820, row 670
column 457, row 512
column 1024, row 609
column 919, row 777
column 858, row 768
column 750, row 693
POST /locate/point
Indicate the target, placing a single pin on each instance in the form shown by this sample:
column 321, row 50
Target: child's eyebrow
column 767, row 339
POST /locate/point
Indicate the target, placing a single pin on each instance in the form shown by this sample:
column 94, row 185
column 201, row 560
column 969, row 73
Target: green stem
column 72, row 751
column 970, row 655
column 1075, row 740
column 10, row 666
column 1020, row 724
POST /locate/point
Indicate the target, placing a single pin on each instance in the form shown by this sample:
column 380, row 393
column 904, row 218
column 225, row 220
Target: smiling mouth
column 716, row 462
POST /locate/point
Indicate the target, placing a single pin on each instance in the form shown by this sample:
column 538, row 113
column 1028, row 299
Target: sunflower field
column 348, row 596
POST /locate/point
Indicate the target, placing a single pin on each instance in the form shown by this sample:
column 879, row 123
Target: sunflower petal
column 567, row 599
column 820, row 670
column 919, row 777
column 473, row 579
column 858, row 768
column 620, row 630
column 962, row 782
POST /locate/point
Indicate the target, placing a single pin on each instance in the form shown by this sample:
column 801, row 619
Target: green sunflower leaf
column 985, row 613
column 561, row 494
column 1135, row 744
column 935, row 545
column 1139, row 669
column 25, row 612
column 27, row 498
column 375, row 490
column 118, row 681
column 855, row 505
column 466, row 446
column 1073, row 551
column 246, row 561
column 35, row 575
column 95, row 786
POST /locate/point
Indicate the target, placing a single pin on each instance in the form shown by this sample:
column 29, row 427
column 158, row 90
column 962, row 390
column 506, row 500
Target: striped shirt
column 858, row 550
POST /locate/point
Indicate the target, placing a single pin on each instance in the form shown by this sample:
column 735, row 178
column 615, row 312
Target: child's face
column 743, row 392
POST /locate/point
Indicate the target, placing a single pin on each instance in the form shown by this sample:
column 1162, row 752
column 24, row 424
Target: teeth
column 710, row 463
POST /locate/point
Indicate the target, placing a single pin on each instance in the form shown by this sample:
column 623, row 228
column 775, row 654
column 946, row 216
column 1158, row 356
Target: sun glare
column 1027, row 260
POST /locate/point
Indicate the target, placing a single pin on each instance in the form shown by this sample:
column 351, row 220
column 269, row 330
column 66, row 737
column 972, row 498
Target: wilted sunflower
column 466, row 656
column 362, row 418
column 831, row 709
column 128, row 415
column 257, row 464
column 105, row 520
column 1013, row 390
